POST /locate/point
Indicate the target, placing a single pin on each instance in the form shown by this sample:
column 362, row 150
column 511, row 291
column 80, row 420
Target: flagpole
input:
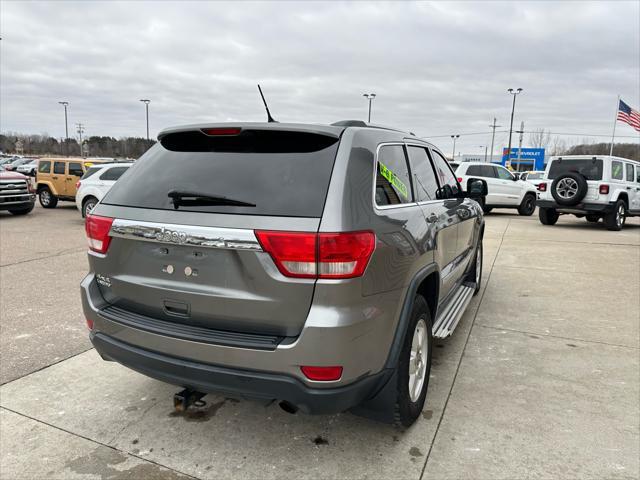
column 615, row 120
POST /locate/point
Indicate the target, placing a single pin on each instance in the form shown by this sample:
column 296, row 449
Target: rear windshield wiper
column 194, row 199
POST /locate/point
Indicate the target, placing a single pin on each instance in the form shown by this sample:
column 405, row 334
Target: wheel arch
column 427, row 283
column 40, row 185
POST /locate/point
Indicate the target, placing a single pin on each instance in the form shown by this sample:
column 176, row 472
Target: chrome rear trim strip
column 206, row 237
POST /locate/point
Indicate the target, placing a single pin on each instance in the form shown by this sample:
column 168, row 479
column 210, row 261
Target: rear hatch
column 183, row 247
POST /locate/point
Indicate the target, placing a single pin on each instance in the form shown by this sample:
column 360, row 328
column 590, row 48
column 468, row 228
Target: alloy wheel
column 418, row 360
column 567, row 188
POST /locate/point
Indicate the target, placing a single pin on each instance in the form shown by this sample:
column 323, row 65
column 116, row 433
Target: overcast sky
column 437, row 68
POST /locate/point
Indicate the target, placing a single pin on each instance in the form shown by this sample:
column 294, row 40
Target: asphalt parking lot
column 540, row 380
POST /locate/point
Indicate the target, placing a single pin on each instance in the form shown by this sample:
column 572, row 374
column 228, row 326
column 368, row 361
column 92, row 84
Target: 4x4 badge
column 165, row 235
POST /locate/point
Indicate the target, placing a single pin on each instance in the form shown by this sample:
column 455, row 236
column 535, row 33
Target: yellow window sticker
column 394, row 180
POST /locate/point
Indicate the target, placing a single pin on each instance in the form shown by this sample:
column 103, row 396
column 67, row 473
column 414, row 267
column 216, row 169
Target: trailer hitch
column 188, row 398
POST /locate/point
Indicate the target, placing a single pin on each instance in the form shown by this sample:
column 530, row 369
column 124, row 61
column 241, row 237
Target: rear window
column 90, row 171
column 589, row 168
column 281, row 173
column 535, row 176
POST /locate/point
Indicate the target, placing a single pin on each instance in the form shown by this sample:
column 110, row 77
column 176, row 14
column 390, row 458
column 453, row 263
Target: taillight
column 89, row 323
column 77, row 184
column 322, row 374
column 604, row 189
column 97, row 229
column 222, row 131
column 542, row 187
column 319, row 255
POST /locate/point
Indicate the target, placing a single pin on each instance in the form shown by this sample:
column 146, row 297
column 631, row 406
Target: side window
column 425, row 183
column 616, row 170
column 393, row 185
column 638, row 173
column 58, row 167
column 113, row 173
column 445, row 175
column 503, row 174
column 44, row 167
column 75, row 169
column 481, row 171
column 629, row 172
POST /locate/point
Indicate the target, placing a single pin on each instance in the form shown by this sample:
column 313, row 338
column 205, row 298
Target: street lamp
column 370, row 97
column 146, row 102
column 454, row 138
column 485, row 151
column 66, row 127
column 513, row 92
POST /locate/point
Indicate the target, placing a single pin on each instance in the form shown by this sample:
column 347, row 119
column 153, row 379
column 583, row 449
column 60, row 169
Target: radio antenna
column 269, row 117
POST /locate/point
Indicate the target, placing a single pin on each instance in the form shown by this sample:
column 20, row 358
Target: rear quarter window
column 393, row 183
column 113, row 173
column 90, row 172
column 616, row 170
column 281, row 173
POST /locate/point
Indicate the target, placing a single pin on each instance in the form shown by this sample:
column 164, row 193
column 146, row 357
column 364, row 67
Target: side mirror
column 444, row 192
column 516, row 176
column 476, row 188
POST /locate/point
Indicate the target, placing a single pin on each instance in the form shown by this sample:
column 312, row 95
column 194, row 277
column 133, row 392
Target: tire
column 615, row 219
column 46, row 198
column 528, row 205
column 23, row 211
column 409, row 404
column 593, row 218
column 548, row 216
column 569, row 188
column 88, row 204
column 486, row 209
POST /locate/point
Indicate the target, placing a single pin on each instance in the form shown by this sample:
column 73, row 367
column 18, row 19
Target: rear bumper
column 580, row 208
column 238, row 382
column 359, row 343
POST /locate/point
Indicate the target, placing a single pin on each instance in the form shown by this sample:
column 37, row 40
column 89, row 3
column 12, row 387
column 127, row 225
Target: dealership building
column 525, row 160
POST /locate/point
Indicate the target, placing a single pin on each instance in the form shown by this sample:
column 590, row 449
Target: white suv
column 590, row 186
column 96, row 182
column 505, row 189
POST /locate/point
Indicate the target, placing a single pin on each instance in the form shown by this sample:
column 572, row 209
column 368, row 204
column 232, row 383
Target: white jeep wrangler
column 590, row 186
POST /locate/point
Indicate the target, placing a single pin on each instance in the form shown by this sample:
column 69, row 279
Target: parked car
column 28, row 168
column 505, row 189
column 12, row 166
column 590, row 186
column 56, row 178
column 309, row 264
column 533, row 177
column 16, row 193
column 96, row 182
column 5, row 161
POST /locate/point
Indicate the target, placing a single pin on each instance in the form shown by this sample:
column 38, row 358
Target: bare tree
column 558, row 146
column 539, row 138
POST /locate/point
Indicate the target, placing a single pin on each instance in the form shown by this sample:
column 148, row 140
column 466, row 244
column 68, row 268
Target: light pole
column 515, row 93
column 493, row 136
column 454, row 138
column 146, row 102
column 66, row 127
column 80, row 132
column 485, row 151
column 370, row 97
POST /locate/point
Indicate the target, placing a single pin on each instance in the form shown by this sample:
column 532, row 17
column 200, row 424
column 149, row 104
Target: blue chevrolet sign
column 533, row 157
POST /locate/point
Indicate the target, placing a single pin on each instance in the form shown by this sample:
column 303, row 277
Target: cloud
column 437, row 68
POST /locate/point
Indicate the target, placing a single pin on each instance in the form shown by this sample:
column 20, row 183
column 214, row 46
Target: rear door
column 199, row 262
column 59, row 178
column 437, row 213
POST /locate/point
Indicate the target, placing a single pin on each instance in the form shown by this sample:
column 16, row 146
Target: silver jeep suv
column 307, row 264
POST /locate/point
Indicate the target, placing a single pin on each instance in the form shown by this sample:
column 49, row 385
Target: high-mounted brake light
column 97, row 229
column 319, row 255
column 322, row 374
column 221, row 131
column 604, row 189
column 542, row 187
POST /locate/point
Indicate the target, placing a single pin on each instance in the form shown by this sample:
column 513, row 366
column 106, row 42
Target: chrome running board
column 448, row 318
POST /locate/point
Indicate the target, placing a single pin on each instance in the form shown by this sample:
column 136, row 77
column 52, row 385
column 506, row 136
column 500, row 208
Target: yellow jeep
column 56, row 178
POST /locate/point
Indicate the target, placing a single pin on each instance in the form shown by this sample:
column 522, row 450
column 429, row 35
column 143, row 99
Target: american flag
column 628, row 115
